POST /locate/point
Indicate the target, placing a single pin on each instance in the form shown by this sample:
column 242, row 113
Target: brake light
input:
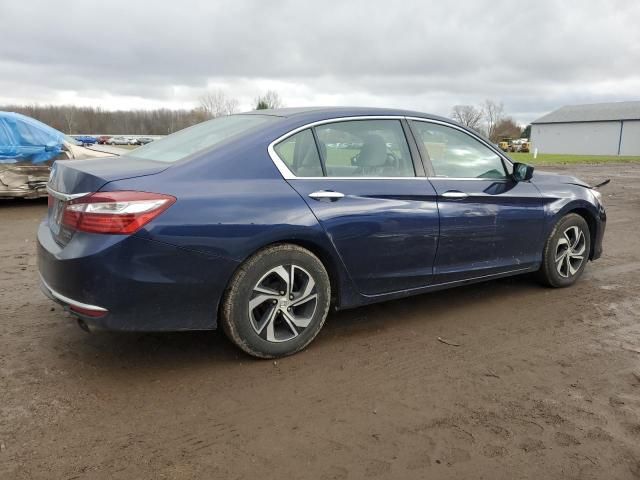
column 88, row 311
column 121, row 212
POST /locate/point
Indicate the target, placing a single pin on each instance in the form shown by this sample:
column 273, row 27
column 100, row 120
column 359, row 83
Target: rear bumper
column 27, row 192
column 23, row 181
column 74, row 305
column 132, row 284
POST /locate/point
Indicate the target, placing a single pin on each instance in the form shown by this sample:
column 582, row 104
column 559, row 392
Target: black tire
column 250, row 329
column 567, row 271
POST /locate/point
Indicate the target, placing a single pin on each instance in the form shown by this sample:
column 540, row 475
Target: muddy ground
column 545, row 383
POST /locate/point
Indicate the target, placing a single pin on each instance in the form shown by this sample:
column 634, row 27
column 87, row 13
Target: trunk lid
column 73, row 178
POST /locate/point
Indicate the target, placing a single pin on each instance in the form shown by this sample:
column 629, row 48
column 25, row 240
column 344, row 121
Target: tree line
column 488, row 119
column 163, row 121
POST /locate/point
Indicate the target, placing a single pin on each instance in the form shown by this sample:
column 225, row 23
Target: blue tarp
column 23, row 139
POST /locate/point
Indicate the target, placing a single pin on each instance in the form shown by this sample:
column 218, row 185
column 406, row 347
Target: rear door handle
column 326, row 195
column 455, row 194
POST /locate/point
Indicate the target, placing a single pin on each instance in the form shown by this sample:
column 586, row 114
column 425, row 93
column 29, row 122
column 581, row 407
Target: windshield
column 181, row 144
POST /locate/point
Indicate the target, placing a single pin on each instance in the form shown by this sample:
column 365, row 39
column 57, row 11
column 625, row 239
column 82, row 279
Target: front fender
column 571, row 198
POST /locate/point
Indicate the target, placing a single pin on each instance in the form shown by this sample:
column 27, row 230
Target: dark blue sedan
column 260, row 222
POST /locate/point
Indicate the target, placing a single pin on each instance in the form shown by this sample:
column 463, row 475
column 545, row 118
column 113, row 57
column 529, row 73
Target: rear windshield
column 181, row 144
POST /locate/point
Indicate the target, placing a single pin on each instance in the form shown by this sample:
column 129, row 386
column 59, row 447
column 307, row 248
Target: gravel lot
column 544, row 383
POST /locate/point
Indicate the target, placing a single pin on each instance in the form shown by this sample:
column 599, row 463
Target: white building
column 595, row 129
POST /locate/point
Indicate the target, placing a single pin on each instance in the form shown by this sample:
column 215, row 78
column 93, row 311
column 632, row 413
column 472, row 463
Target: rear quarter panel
column 231, row 205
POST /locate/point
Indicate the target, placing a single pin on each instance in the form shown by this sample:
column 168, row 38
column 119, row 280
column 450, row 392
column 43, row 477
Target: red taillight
column 119, row 212
column 89, row 312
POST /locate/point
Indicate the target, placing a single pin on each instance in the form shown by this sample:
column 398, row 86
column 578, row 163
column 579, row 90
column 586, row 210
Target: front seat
column 372, row 158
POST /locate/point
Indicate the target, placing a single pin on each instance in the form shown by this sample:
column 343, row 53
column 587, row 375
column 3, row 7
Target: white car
column 120, row 141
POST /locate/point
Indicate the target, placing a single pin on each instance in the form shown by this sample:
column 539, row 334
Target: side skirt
column 369, row 299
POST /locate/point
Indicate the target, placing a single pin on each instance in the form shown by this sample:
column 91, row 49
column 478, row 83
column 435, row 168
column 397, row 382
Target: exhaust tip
column 83, row 325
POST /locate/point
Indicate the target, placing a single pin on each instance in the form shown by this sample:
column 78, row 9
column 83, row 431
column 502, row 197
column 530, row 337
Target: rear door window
column 365, row 148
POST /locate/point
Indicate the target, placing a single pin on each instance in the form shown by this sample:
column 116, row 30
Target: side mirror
column 522, row 172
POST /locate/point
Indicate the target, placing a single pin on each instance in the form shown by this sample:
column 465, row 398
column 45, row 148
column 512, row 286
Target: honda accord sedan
column 261, row 222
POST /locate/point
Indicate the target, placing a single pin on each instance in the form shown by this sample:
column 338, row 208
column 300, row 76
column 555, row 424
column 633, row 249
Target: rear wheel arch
column 273, row 314
column 329, row 263
column 325, row 257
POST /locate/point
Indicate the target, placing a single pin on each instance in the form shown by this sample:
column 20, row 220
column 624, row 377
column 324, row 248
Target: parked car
column 85, row 139
column 120, row 141
column 103, row 139
column 144, row 140
column 250, row 223
column 28, row 148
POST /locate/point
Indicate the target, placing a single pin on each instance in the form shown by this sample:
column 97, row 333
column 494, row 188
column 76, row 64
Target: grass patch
column 559, row 159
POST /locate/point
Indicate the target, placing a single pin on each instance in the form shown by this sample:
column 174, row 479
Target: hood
column 548, row 178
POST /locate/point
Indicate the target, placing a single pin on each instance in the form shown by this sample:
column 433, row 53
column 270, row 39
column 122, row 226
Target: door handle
column 326, row 195
column 455, row 194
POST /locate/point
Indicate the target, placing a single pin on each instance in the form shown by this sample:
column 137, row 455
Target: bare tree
column 217, row 103
column 69, row 117
column 271, row 99
column 467, row 115
column 493, row 112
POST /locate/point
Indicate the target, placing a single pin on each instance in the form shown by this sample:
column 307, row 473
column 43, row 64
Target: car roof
column 323, row 113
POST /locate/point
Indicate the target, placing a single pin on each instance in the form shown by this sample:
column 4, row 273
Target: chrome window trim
column 65, row 197
column 70, row 301
column 288, row 174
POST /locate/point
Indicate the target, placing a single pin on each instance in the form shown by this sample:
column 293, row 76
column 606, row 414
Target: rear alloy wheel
column 566, row 252
column 277, row 301
column 283, row 303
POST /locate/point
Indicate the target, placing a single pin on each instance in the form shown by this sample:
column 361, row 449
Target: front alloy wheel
column 570, row 251
column 566, row 252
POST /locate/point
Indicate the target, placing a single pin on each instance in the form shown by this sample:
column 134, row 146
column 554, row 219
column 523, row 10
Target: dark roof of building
column 594, row 112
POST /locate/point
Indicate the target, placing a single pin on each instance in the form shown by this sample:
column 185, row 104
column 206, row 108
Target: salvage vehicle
column 260, row 222
column 28, row 148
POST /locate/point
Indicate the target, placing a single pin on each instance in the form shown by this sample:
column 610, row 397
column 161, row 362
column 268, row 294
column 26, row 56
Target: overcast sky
column 423, row 55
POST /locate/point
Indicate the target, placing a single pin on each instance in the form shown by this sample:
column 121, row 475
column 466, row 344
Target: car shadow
column 14, row 203
column 108, row 350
